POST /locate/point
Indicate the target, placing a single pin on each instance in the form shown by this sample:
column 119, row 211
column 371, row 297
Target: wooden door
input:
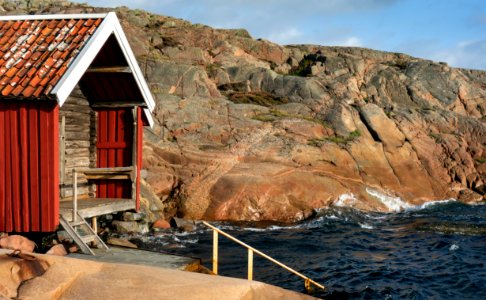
column 114, row 149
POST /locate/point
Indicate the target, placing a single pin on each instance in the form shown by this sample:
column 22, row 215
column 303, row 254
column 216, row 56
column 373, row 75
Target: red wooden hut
column 72, row 96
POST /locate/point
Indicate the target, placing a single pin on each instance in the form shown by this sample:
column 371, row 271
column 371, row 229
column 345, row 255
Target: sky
column 452, row 31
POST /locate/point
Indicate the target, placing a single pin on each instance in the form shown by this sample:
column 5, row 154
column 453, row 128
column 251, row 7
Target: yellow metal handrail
column 251, row 250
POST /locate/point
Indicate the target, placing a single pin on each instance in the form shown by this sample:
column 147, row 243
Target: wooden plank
column 8, row 170
column 63, row 149
column 129, row 132
column 113, row 170
column 139, row 155
column 112, row 145
column 109, row 177
column 15, row 168
column 107, row 209
column 34, row 179
column 114, row 119
column 44, row 168
column 55, row 167
column 120, row 138
column 118, row 104
column 24, row 168
column 93, row 207
column 2, row 167
column 134, row 152
column 102, row 153
column 109, row 69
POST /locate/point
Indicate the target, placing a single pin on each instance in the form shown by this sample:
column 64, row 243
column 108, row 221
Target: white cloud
column 287, row 36
column 466, row 54
column 351, row 41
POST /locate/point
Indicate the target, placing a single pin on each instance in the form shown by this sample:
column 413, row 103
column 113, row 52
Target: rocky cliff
column 250, row 130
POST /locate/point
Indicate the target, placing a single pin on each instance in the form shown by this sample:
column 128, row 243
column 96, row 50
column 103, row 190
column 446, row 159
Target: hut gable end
column 73, row 103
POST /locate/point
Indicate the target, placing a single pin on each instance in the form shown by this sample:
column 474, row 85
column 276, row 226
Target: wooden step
column 88, row 238
column 77, row 223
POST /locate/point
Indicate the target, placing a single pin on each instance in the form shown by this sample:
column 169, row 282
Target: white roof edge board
column 150, row 119
column 132, row 61
column 52, row 17
column 83, row 60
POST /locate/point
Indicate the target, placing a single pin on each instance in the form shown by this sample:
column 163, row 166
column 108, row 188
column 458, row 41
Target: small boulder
column 185, row 225
column 125, row 226
column 63, row 236
column 161, row 224
column 121, row 242
column 133, row 216
column 17, row 242
column 73, row 248
column 143, row 228
column 58, row 250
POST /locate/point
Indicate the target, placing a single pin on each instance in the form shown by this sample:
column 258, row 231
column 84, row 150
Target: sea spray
column 346, row 200
column 432, row 203
column 394, row 204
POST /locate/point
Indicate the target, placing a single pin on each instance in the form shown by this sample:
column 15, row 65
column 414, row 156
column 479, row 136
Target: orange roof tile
column 34, row 54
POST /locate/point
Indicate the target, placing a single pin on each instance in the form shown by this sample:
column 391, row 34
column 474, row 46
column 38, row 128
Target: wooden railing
column 251, row 250
column 99, row 173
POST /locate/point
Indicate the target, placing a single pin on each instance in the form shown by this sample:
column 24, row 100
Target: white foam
column 260, row 229
column 190, row 241
column 394, row 204
column 454, row 247
column 346, row 200
column 432, row 203
column 365, row 226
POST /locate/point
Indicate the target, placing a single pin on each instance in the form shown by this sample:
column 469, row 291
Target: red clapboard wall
column 29, row 166
column 114, row 149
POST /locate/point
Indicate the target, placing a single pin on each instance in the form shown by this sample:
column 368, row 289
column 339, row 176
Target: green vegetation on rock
column 305, row 65
column 259, row 98
column 275, row 114
column 437, row 137
column 337, row 139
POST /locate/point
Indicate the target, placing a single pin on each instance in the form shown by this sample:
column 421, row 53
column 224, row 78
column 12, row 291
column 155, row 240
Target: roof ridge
column 52, row 17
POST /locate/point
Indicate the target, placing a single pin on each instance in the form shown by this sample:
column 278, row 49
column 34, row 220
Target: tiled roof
column 34, row 54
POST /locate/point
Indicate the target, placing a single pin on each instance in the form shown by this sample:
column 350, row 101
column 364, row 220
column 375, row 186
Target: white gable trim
column 83, row 60
column 132, row 62
column 52, row 17
column 150, row 119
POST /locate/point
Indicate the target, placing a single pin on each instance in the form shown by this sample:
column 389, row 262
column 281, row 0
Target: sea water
column 435, row 251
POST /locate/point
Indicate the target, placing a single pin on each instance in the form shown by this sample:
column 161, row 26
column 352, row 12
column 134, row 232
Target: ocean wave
column 366, row 226
column 433, row 203
column 340, row 212
column 394, row 204
column 270, row 228
column 454, row 247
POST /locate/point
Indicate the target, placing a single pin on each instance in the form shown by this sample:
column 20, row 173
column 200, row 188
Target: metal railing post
column 250, row 264
column 215, row 252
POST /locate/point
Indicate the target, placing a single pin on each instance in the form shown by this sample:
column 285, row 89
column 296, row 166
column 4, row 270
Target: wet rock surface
column 55, row 277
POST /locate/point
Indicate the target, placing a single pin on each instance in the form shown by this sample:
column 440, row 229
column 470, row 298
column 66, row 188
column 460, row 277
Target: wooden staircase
column 72, row 217
column 82, row 234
